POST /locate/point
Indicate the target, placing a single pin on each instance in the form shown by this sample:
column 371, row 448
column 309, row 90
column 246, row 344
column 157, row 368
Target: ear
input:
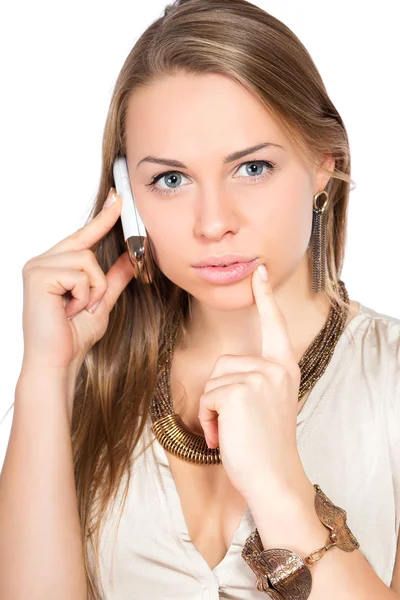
column 321, row 178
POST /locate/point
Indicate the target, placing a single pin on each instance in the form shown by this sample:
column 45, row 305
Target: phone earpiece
column 135, row 234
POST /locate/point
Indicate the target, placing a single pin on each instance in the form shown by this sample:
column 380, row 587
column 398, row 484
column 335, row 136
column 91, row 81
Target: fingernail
column 93, row 308
column 111, row 198
column 262, row 271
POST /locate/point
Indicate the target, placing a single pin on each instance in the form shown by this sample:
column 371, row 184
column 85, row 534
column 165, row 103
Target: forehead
column 180, row 111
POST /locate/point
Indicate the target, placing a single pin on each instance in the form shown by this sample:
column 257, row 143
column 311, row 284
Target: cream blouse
column 348, row 436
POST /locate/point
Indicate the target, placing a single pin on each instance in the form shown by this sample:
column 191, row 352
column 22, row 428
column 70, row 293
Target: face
column 258, row 205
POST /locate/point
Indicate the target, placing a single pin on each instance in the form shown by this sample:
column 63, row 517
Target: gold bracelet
column 281, row 573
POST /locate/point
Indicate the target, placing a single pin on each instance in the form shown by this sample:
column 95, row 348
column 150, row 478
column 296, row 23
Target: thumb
column 118, row 277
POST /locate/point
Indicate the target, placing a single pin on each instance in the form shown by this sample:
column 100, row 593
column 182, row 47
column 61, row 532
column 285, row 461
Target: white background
column 59, row 62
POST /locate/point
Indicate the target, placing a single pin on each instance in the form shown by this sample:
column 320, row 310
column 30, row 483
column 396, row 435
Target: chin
column 226, row 297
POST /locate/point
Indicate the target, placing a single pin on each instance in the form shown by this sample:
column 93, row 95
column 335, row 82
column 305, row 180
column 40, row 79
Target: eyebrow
column 227, row 159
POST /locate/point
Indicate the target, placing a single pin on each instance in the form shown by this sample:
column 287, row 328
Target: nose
column 216, row 214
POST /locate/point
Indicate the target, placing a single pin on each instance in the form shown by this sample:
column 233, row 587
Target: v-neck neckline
column 225, row 569
column 223, row 572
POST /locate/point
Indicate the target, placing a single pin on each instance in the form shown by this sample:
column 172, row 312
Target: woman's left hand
column 249, row 407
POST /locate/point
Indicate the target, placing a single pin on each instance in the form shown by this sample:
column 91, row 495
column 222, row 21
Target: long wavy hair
column 118, row 377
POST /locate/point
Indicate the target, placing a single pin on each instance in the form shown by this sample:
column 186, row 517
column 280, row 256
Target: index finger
column 93, row 231
column 276, row 344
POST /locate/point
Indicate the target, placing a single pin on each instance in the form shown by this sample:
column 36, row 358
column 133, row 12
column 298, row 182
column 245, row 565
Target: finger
column 208, row 416
column 210, row 407
column 226, row 379
column 62, row 280
column 118, row 277
column 78, row 260
column 93, row 231
column 275, row 339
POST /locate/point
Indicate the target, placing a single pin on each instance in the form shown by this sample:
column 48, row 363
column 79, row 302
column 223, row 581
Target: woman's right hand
column 58, row 334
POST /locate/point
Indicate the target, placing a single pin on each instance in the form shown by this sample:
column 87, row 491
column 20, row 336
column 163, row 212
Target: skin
column 220, row 209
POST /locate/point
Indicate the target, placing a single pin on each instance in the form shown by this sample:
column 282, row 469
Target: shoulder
column 381, row 329
column 380, row 340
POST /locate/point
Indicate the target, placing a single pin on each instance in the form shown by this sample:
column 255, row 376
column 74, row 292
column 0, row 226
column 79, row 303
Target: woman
column 206, row 403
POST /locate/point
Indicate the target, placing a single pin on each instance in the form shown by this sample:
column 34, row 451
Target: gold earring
column 319, row 242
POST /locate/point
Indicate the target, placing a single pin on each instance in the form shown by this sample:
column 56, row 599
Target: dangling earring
column 190, row 307
column 319, row 243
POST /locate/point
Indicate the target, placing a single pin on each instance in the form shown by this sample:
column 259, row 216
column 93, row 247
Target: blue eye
column 175, row 177
column 257, row 171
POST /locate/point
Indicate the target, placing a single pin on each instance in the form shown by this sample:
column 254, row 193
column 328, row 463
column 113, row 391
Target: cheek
column 283, row 228
column 283, row 216
column 167, row 239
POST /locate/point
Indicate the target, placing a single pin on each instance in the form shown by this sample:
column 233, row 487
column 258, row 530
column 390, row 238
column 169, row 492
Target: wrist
column 47, row 387
column 36, row 371
column 296, row 493
column 288, row 519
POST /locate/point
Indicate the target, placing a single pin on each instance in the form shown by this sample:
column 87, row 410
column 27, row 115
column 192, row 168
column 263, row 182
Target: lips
column 230, row 274
column 222, row 265
column 223, row 260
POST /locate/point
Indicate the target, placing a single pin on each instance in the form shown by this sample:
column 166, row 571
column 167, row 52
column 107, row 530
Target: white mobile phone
column 135, row 233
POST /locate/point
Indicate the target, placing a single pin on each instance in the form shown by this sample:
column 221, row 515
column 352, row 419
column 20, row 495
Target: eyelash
column 169, row 191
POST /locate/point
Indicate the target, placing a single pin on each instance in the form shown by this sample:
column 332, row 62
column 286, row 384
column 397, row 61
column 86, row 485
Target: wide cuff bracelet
column 283, row 574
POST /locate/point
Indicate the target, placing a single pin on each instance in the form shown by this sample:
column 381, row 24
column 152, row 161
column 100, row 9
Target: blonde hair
column 118, row 377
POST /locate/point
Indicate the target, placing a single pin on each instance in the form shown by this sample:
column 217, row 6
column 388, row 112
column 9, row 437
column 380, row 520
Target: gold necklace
column 177, row 438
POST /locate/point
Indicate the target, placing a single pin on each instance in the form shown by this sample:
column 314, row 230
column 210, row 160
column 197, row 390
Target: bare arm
column 41, row 555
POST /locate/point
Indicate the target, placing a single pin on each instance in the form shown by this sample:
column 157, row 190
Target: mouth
column 223, row 260
column 227, row 273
